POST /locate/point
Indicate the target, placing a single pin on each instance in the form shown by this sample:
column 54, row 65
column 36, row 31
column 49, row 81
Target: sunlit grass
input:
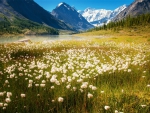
column 99, row 75
column 132, row 32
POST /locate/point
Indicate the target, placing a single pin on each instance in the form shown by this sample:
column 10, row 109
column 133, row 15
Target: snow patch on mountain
column 60, row 4
column 65, row 5
column 98, row 17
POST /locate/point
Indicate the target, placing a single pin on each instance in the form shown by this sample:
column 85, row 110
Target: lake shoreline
column 39, row 38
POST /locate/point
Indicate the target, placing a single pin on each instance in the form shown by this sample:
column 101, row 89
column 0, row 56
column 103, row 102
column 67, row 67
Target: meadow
column 95, row 75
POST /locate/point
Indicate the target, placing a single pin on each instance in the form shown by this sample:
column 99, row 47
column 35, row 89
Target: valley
column 57, row 62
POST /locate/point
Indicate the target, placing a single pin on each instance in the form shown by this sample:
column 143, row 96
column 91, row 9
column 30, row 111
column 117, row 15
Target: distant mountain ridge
column 69, row 15
column 98, row 17
column 64, row 16
column 138, row 7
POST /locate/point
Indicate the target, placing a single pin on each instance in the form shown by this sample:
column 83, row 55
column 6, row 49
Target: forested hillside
column 128, row 22
column 24, row 26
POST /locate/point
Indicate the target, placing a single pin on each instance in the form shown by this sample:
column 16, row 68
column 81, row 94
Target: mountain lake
column 13, row 39
column 34, row 38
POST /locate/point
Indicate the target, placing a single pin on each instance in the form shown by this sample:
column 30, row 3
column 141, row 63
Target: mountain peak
column 28, row 9
column 62, row 4
column 70, row 15
column 88, row 9
column 100, row 16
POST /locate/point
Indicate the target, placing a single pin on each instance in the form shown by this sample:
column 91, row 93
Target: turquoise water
column 10, row 39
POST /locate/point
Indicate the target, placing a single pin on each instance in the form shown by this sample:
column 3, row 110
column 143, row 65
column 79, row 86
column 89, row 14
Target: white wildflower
column 1, row 93
column 29, row 85
column 81, row 90
column 89, row 95
column 102, row 92
column 37, row 85
column 20, row 74
column 148, row 85
column 116, row 111
column 80, row 80
column 1, row 104
column 53, row 80
column 63, row 79
column 30, row 81
column 43, row 81
column 106, row 107
column 47, row 76
column 12, row 75
column 4, row 108
column 68, row 86
column 6, row 81
column 74, row 88
column 57, row 82
column 53, row 100
column 23, row 95
column 26, row 78
column 9, row 94
column 60, row 99
column 5, row 104
column 129, row 70
column 8, row 100
column 143, row 106
column 94, row 88
column 42, row 85
column 84, row 85
column 52, row 87
column 144, row 71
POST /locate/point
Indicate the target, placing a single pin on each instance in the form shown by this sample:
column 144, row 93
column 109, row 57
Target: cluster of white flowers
column 7, row 100
column 70, row 67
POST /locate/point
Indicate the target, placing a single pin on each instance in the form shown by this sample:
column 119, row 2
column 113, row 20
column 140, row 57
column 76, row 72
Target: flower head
column 60, row 99
column 8, row 100
column 1, row 104
column 89, row 95
column 23, row 95
column 106, row 107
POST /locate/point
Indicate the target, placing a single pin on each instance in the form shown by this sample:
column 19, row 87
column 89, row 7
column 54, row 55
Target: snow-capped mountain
column 69, row 15
column 98, row 17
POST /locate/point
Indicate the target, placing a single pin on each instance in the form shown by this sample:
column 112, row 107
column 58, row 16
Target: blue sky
column 83, row 4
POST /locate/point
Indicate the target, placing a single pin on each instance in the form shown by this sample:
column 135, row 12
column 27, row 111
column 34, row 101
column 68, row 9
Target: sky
column 49, row 5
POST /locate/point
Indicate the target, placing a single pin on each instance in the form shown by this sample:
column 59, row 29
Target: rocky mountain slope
column 69, row 15
column 28, row 9
column 138, row 7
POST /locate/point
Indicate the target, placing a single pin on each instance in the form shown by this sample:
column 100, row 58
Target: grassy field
column 132, row 31
column 95, row 75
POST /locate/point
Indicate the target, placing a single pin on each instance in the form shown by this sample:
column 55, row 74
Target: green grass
column 115, row 71
column 134, row 31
